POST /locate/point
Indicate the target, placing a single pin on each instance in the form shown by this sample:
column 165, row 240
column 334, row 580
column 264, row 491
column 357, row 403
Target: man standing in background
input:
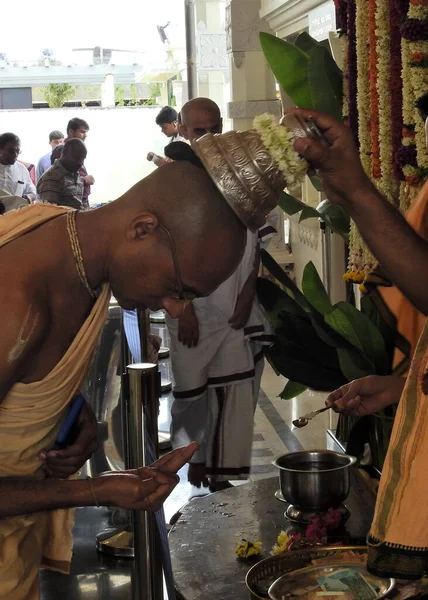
column 14, row 176
column 62, row 183
column 217, row 353
column 77, row 128
column 56, row 137
column 168, row 121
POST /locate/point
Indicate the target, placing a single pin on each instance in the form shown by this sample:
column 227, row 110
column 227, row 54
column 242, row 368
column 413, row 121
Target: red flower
column 413, row 180
column 417, row 57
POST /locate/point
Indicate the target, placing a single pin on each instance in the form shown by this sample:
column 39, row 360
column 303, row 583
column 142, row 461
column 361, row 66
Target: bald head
column 73, row 155
column 209, row 239
column 198, row 117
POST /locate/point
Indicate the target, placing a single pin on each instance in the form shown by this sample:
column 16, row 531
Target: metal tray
column 263, row 574
column 304, row 578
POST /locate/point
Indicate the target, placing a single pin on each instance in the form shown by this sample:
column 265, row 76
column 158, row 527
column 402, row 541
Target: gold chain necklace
column 77, row 252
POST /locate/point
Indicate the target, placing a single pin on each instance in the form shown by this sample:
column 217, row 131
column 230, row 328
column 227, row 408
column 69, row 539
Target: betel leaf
column 314, row 289
column 323, row 95
column 292, row 389
column 289, row 204
column 290, row 67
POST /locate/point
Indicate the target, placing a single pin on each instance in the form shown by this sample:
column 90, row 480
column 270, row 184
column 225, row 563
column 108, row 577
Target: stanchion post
column 147, row 580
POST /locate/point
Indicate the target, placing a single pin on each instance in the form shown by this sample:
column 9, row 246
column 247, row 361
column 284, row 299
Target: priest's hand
column 366, row 395
column 188, row 326
column 63, row 463
column 145, row 488
column 337, row 164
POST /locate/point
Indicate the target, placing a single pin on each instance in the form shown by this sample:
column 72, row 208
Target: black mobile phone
column 69, row 430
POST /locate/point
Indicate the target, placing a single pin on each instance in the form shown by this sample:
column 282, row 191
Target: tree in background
column 56, row 94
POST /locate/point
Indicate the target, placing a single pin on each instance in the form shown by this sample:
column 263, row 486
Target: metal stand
column 139, row 402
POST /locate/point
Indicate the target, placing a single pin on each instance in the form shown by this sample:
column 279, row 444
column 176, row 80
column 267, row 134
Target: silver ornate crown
column 244, row 172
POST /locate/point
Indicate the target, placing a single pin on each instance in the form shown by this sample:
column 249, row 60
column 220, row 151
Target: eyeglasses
column 181, row 294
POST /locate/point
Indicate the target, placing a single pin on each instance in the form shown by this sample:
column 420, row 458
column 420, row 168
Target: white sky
column 29, row 27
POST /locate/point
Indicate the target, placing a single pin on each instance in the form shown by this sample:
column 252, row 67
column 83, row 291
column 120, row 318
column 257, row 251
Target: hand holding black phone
column 69, row 431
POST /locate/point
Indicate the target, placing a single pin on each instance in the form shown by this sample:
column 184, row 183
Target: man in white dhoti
column 217, row 353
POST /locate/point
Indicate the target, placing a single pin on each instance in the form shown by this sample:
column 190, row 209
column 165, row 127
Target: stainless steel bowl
column 314, row 479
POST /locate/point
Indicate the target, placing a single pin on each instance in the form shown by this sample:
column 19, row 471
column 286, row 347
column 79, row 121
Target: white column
column 107, row 92
column 252, row 83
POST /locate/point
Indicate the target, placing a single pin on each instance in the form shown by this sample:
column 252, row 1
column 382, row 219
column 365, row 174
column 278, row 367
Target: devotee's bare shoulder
column 24, row 327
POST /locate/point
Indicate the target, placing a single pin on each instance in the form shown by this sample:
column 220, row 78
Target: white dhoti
column 217, row 383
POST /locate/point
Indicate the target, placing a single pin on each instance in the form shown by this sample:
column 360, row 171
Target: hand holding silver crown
column 251, row 168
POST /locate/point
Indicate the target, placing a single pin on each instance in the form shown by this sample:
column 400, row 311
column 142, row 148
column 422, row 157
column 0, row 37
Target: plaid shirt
column 56, row 155
column 59, row 186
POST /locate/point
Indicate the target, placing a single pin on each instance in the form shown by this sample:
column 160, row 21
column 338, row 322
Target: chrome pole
column 143, row 385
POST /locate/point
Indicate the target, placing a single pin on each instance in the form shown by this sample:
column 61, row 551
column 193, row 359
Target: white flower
column 279, row 142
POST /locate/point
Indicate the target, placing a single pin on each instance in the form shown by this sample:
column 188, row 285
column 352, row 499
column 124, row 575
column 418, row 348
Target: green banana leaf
column 275, row 301
column 314, row 290
column 290, row 67
column 313, row 375
column 289, row 204
column 292, row 390
column 333, row 74
column 357, row 328
column 336, row 218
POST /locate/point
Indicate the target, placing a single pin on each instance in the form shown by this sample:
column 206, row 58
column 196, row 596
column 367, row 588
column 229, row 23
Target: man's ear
column 142, row 225
column 182, row 130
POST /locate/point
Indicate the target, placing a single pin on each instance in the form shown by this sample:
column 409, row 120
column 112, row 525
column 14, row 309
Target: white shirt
column 15, row 180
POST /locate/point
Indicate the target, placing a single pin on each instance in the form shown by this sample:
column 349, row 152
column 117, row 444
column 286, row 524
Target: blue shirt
column 43, row 165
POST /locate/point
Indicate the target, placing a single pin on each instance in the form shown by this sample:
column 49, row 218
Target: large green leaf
column 353, row 364
column 308, row 213
column 333, row 73
column 292, row 390
column 280, row 275
column 290, row 67
column 335, row 217
column 275, row 301
column 289, row 204
column 316, row 182
column 314, row 289
column 307, row 344
column 316, row 377
column 323, row 95
column 357, row 328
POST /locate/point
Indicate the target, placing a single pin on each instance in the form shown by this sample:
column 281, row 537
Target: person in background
column 56, row 137
column 14, row 176
column 77, row 128
column 217, row 352
column 62, row 183
column 167, row 120
column 198, row 117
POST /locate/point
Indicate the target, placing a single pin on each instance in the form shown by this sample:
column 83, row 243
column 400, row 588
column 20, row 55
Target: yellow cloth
column 30, row 418
column 398, row 540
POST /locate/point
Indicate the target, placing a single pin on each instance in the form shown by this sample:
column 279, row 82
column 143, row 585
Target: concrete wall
column 118, row 142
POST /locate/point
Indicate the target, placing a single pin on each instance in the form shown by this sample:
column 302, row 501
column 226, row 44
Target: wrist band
column 94, row 494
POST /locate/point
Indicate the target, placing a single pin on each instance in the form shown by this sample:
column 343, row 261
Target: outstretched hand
column 367, row 395
column 145, row 488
